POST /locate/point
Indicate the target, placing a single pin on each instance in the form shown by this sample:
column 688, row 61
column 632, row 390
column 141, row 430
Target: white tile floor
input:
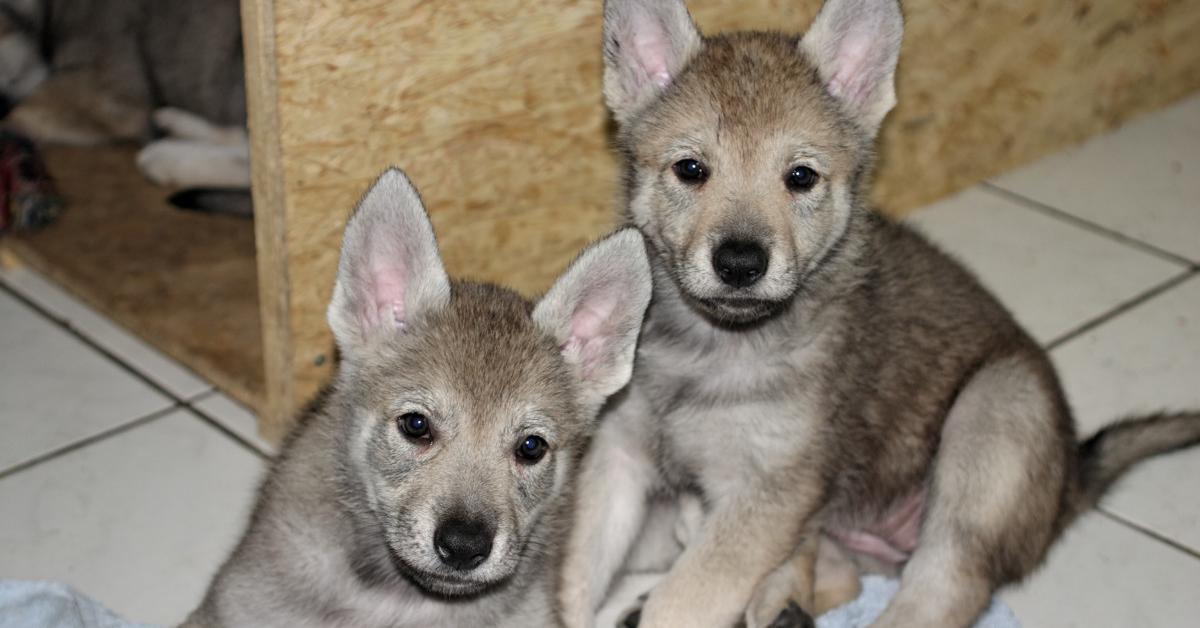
column 128, row 477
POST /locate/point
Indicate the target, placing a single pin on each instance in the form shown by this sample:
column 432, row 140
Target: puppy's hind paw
column 792, row 617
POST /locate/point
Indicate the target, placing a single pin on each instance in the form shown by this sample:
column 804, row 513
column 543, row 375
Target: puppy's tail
column 1112, row 451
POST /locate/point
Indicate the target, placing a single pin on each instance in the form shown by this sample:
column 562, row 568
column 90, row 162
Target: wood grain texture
column 984, row 87
column 494, row 109
column 279, row 399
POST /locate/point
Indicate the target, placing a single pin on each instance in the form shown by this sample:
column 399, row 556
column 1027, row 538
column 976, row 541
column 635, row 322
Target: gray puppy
column 430, row 485
column 839, row 393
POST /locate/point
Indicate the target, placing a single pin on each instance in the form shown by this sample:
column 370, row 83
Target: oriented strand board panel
column 985, row 86
column 184, row 282
column 494, row 108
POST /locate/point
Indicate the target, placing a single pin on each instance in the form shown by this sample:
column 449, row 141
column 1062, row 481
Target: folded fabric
column 877, row 591
column 31, row 604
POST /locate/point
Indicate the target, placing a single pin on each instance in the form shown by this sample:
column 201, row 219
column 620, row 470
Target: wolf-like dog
column 838, row 393
column 100, row 71
column 430, row 485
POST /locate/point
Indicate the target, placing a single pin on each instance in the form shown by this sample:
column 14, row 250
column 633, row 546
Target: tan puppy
column 838, row 392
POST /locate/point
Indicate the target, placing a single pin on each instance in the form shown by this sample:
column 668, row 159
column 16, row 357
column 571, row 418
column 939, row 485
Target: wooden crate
column 494, row 108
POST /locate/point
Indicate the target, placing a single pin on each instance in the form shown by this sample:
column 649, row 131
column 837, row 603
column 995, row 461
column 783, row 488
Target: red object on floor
column 28, row 199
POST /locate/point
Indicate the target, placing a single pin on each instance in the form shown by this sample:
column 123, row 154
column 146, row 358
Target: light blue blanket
column 28, row 604
column 876, row 593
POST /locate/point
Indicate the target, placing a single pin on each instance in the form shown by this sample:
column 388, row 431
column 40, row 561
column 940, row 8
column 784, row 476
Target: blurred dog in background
column 168, row 75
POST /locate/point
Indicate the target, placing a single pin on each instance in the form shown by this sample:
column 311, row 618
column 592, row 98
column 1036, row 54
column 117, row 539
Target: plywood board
column 494, row 108
column 280, row 398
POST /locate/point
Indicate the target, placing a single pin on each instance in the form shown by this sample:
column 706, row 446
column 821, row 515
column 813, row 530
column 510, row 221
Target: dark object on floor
column 28, row 200
column 230, row 201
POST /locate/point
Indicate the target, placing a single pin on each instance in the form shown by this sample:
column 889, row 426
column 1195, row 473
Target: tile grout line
column 73, row 331
column 1161, row 538
column 88, row 440
column 178, row 402
column 1119, row 309
column 191, row 404
column 201, row 396
column 1086, row 224
column 204, row 417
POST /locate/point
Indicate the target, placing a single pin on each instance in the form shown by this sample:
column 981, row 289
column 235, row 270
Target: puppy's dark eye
column 801, row 179
column 690, row 171
column 531, row 449
column 413, row 424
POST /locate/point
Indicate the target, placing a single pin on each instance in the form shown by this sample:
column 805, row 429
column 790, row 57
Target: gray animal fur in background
column 100, row 71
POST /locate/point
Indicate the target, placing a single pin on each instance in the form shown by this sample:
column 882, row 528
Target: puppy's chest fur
column 727, row 408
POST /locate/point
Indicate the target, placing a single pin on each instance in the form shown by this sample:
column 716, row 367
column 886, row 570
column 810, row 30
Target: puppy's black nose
column 463, row 543
column 740, row 263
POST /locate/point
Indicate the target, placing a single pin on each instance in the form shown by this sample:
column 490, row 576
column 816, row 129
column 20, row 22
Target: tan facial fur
column 750, row 124
column 486, row 378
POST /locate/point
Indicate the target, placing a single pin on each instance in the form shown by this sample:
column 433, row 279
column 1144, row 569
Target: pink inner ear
column 589, row 334
column 653, row 51
column 850, row 81
column 389, row 298
column 387, row 282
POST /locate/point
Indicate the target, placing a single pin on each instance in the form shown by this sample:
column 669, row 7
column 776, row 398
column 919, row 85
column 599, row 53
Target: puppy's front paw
column 792, row 617
column 176, row 162
column 164, row 162
column 631, row 617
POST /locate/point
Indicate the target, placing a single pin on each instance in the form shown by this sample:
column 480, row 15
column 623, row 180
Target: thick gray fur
column 864, row 404
column 343, row 531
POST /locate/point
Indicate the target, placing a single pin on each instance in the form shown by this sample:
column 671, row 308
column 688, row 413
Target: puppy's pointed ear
column 855, row 45
column 390, row 273
column 594, row 312
column 646, row 43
